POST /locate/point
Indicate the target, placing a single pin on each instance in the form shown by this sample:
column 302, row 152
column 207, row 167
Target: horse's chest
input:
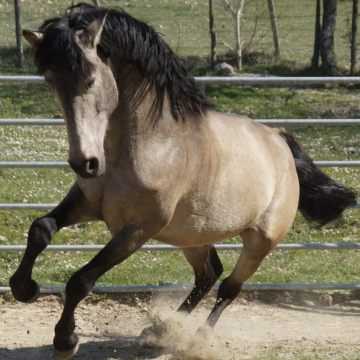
column 93, row 190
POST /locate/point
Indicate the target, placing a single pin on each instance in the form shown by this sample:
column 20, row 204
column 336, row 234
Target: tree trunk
column 19, row 48
column 316, row 55
column 96, row 3
column 238, row 42
column 274, row 27
column 212, row 34
column 327, row 45
column 354, row 36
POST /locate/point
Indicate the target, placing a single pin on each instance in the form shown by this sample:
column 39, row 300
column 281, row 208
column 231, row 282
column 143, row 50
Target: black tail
column 322, row 199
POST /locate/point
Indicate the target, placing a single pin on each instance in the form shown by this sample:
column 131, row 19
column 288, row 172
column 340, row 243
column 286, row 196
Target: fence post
column 274, row 27
column 354, row 36
column 212, row 34
column 19, row 48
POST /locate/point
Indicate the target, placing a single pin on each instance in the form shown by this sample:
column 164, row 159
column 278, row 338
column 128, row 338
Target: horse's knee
column 41, row 233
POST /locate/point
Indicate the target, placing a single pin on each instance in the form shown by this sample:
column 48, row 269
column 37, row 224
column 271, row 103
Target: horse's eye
column 90, row 84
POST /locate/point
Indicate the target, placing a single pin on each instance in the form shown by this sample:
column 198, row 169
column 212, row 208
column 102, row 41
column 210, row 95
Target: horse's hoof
column 204, row 332
column 67, row 354
column 150, row 337
column 36, row 294
column 29, row 295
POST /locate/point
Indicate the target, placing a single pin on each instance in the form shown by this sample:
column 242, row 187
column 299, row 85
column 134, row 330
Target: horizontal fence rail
column 241, row 81
column 34, row 164
column 181, row 288
column 278, row 81
column 236, row 80
column 221, row 247
column 26, row 206
column 270, row 122
column 62, row 164
column 42, row 207
column 40, row 122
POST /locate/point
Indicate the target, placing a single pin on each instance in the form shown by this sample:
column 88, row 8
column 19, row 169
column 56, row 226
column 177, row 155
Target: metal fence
column 244, row 81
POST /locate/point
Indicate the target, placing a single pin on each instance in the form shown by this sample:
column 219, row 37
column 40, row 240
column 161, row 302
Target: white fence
column 244, row 81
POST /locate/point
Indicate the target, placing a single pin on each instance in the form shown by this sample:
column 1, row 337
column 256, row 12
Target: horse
column 154, row 160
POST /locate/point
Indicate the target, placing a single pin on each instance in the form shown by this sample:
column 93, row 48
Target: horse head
column 80, row 77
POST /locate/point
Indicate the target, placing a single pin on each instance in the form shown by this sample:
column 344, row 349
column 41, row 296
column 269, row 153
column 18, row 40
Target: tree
column 316, row 55
column 212, row 34
column 327, row 43
column 353, row 36
column 236, row 13
column 274, row 27
column 19, row 48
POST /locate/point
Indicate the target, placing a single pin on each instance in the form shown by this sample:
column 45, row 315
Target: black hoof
column 28, row 296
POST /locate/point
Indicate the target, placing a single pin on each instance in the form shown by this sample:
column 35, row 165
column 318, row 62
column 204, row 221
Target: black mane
column 131, row 40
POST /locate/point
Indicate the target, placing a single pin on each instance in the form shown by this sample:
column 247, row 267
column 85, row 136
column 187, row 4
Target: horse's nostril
column 93, row 165
column 86, row 168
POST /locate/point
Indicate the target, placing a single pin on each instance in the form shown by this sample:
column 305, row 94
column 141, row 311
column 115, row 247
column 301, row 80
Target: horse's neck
column 135, row 99
column 133, row 138
column 130, row 122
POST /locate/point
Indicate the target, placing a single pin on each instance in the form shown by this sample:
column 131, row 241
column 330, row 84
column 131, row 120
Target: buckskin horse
column 153, row 160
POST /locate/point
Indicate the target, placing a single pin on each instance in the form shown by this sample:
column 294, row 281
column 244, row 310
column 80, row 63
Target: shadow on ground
column 119, row 348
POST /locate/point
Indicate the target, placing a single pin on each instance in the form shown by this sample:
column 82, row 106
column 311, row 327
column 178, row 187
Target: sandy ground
column 108, row 329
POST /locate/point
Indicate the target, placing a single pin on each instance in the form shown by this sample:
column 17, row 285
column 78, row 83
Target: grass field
column 49, row 143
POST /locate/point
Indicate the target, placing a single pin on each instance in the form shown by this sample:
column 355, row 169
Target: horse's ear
column 91, row 35
column 32, row 37
column 96, row 28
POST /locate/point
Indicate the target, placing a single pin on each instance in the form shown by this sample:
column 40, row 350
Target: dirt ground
column 249, row 329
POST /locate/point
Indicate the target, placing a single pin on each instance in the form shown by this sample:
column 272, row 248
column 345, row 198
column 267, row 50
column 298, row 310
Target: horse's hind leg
column 207, row 269
column 258, row 241
column 72, row 210
column 256, row 246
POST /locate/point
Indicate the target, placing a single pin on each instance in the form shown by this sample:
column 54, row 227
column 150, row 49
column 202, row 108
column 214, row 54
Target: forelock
column 58, row 49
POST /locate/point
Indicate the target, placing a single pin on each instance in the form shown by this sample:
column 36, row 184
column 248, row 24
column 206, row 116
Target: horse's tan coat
column 189, row 183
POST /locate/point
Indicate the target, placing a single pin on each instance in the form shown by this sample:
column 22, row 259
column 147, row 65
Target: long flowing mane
column 130, row 39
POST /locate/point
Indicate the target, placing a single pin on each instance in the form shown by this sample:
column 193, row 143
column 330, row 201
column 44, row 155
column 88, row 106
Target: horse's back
column 238, row 176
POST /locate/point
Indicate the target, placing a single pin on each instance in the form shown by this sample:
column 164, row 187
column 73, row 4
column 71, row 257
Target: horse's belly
column 188, row 237
column 206, row 225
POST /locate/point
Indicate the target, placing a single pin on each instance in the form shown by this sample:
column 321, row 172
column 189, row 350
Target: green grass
column 49, row 143
column 186, row 30
column 312, row 351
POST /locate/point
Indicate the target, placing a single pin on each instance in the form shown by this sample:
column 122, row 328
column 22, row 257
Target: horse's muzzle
column 89, row 168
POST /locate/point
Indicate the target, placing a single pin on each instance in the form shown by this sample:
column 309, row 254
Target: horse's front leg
column 72, row 210
column 120, row 247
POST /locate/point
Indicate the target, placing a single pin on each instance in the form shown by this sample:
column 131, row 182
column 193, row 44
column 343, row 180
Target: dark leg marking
column 226, row 294
column 80, row 284
column 207, row 268
column 71, row 210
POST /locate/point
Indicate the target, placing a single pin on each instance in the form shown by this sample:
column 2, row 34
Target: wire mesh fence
column 185, row 26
